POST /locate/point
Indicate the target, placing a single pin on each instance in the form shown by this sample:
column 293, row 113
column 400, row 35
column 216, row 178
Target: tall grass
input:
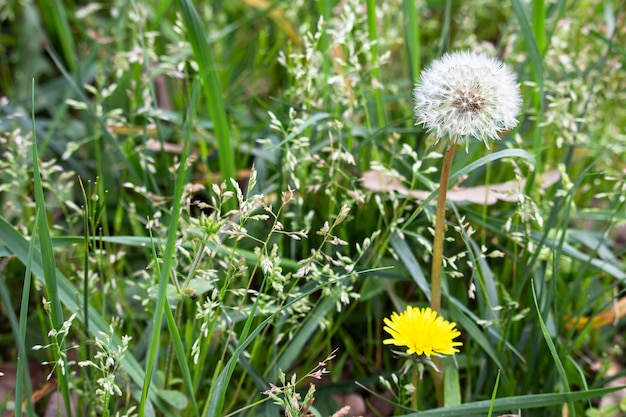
column 203, row 200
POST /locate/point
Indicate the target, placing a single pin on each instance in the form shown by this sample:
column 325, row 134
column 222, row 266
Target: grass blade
column 408, row 259
column 372, row 23
column 451, row 383
column 53, row 13
column 522, row 402
column 49, row 269
column 168, row 257
column 539, row 25
column 179, row 350
column 493, row 395
column 550, row 343
column 412, row 36
column 22, row 382
column 22, row 377
column 212, row 86
column 536, row 61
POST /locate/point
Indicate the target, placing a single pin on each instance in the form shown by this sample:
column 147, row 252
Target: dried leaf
column 507, row 191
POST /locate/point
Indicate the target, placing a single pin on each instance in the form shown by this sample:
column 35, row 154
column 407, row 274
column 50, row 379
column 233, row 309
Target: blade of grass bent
column 212, row 87
column 170, row 250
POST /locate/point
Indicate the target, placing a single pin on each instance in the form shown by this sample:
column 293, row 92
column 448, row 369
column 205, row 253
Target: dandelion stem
column 437, row 376
column 414, row 394
column 437, row 271
column 440, row 221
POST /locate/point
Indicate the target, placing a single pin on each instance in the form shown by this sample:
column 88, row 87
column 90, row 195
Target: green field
column 214, row 208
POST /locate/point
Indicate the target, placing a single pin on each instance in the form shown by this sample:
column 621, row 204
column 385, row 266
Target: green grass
column 193, row 181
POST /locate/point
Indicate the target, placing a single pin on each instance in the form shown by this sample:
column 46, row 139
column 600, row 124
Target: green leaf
column 512, row 404
column 212, row 87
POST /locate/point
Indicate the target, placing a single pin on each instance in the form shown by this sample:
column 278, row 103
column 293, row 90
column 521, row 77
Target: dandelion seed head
column 466, row 94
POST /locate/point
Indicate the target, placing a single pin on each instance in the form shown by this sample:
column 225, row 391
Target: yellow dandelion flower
column 422, row 331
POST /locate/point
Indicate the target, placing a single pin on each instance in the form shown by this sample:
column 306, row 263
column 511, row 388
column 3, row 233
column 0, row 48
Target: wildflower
column 422, row 331
column 467, row 94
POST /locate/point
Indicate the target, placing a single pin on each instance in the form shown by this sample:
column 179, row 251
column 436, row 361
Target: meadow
column 248, row 208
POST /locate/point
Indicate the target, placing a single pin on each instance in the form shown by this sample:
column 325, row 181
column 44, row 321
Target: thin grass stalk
column 170, row 250
column 23, row 377
column 493, row 394
column 147, row 62
column 86, row 245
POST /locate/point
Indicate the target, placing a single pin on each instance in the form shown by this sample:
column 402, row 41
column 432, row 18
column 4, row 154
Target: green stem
column 437, row 376
column 437, row 271
column 440, row 222
column 414, row 394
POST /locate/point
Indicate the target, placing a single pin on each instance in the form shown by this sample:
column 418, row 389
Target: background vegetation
column 209, row 195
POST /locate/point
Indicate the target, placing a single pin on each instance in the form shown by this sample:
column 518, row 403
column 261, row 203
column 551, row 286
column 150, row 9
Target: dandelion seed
column 422, row 331
column 467, row 94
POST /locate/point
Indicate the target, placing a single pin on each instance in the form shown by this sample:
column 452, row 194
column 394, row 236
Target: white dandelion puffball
column 467, row 94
